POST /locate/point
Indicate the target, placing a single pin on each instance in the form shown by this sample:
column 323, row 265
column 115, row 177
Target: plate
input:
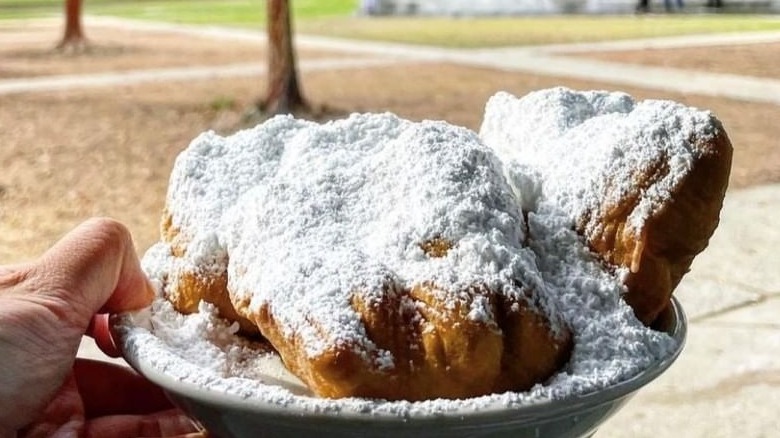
column 231, row 416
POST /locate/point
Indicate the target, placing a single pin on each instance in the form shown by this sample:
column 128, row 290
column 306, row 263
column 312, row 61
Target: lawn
column 514, row 31
column 225, row 12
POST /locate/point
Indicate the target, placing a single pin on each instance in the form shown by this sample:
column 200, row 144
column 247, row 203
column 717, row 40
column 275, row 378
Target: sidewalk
column 727, row 381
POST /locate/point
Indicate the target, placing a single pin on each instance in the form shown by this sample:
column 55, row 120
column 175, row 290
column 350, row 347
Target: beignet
column 380, row 257
column 643, row 182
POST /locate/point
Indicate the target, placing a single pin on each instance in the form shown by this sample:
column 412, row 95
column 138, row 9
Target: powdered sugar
column 346, row 205
column 342, row 209
column 607, row 139
column 211, row 174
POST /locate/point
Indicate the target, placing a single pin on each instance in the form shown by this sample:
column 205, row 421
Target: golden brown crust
column 661, row 252
column 433, row 357
column 187, row 286
column 171, row 234
column 532, row 353
column 438, row 350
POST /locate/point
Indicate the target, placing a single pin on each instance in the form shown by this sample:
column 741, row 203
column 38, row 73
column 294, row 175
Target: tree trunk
column 74, row 34
column 283, row 95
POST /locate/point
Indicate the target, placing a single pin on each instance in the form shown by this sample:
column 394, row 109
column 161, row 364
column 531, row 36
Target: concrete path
column 727, row 381
column 173, row 74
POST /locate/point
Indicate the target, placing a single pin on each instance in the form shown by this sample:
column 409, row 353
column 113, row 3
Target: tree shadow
column 316, row 113
column 228, row 114
column 89, row 49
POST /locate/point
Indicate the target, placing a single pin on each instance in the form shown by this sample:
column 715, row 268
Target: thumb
column 94, row 268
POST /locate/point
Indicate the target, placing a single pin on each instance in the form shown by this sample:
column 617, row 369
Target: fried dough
column 381, row 258
column 437, row 350
column 643, row 182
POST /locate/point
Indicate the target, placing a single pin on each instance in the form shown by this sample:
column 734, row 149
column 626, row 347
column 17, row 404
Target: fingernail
column 102, row 336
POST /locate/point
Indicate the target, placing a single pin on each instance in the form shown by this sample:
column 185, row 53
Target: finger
column 62, row 416
column 162, row 424
column 110, row 389
column 11, row 270
column 11, row 275
column 202, row 434
column 99, row 331
column 95, row 265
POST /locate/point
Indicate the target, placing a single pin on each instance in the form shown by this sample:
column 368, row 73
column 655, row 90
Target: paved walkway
column 727, row 381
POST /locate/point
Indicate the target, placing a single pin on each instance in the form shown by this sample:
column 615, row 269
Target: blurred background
column 97, row 97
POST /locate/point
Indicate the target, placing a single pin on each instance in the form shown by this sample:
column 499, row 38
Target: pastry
column 201, row 192
column 643, row 182
column 380, row 257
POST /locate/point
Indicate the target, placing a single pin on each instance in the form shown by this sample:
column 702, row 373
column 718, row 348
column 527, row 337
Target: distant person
column 680, row 5
column 369, row 7
column 643, row 6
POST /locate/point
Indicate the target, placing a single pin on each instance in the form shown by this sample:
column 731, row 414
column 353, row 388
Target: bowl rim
column 677, row 329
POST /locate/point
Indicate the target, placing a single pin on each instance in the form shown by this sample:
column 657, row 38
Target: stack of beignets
column 380, row 257
column 389, row 259
column 643, row 182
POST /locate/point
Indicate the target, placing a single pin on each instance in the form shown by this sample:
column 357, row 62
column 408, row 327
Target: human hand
column 45, row 308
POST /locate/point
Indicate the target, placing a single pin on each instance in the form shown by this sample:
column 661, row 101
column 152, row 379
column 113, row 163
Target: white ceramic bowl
column 228, row 416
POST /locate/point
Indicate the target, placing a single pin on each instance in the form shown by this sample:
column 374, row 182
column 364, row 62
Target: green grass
column 221, row 12
column 492, row 32
column 337, row 18
column 230, row 12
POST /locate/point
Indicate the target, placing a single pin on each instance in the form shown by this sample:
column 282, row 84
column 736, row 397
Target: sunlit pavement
column 726, row 383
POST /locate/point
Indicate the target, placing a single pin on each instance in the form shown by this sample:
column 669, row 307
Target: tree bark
column 74, row 34
column 283, row 95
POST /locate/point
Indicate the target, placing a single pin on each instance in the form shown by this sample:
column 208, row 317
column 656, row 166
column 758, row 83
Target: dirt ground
column 66, row 156
column 28, row 51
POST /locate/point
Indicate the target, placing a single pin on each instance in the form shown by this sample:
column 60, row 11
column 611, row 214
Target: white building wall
column 486, row 7
column 496, row 7
column 526, row 7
